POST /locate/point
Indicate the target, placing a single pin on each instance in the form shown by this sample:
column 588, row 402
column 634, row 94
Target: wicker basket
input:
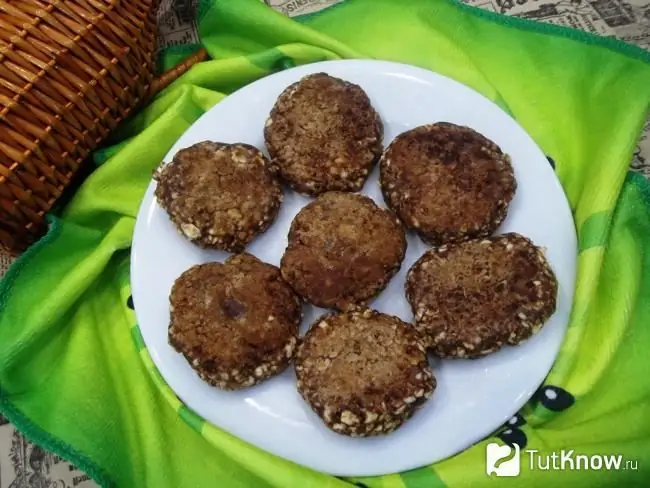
column 70, row 72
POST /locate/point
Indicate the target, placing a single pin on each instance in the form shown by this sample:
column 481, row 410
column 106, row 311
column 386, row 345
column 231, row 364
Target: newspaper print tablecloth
column 23, row 464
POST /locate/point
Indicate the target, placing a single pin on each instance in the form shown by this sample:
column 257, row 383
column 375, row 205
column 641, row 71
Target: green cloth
column 75, row 377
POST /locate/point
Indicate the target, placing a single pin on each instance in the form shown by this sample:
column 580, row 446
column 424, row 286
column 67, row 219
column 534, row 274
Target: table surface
column 23, row 464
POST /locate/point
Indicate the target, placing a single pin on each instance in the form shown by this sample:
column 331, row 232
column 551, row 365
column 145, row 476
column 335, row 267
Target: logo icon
column 502, row 460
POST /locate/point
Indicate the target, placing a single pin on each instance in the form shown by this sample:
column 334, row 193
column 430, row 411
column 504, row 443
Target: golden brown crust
column 323, row 134
column 470, row 299
column 236, row 323
column 219, row 195
column 448, row 183
column 343, row 250
column 363, row 373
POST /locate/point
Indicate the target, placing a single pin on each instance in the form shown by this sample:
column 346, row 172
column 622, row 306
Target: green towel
column 75, row 376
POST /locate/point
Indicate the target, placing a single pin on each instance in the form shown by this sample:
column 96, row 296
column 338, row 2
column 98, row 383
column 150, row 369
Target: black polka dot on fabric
column 515, row 421
column 554, row 398
column 514, row 436
column 551, row 162
column 129, row 302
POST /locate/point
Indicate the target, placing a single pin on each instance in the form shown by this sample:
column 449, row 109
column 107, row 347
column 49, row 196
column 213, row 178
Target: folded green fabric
column 75, row 377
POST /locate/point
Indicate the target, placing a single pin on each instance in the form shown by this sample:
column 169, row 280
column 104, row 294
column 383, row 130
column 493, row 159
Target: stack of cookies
column 361, row 371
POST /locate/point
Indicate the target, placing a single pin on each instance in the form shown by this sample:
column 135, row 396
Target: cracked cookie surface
column 323, row 134
column 342, row 250
column 236, row 323
column 470, row 299
column 447, row 182
column 219, row 195
column 363, row 373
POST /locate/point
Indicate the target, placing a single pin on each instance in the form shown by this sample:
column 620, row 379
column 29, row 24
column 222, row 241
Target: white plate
column 473, row 397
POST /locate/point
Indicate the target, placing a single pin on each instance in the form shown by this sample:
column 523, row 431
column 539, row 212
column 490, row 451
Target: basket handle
column 166, row 79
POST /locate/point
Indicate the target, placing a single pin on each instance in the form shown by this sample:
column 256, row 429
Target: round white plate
column 473, row 397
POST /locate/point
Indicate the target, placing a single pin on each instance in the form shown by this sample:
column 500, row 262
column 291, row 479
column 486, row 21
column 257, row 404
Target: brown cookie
column 363, row 373
column 471, row 298
column 343, row 250
column 448, row 183
column 219, row 195
column 323, row 134
column 236, row 323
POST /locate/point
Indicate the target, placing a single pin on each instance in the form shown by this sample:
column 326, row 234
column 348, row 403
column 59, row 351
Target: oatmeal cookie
column 448, row 183
column 323, row 134
column 469, row 299
column 343, row 250
column 219, row 195
column 236, row 323
column 364, row 373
